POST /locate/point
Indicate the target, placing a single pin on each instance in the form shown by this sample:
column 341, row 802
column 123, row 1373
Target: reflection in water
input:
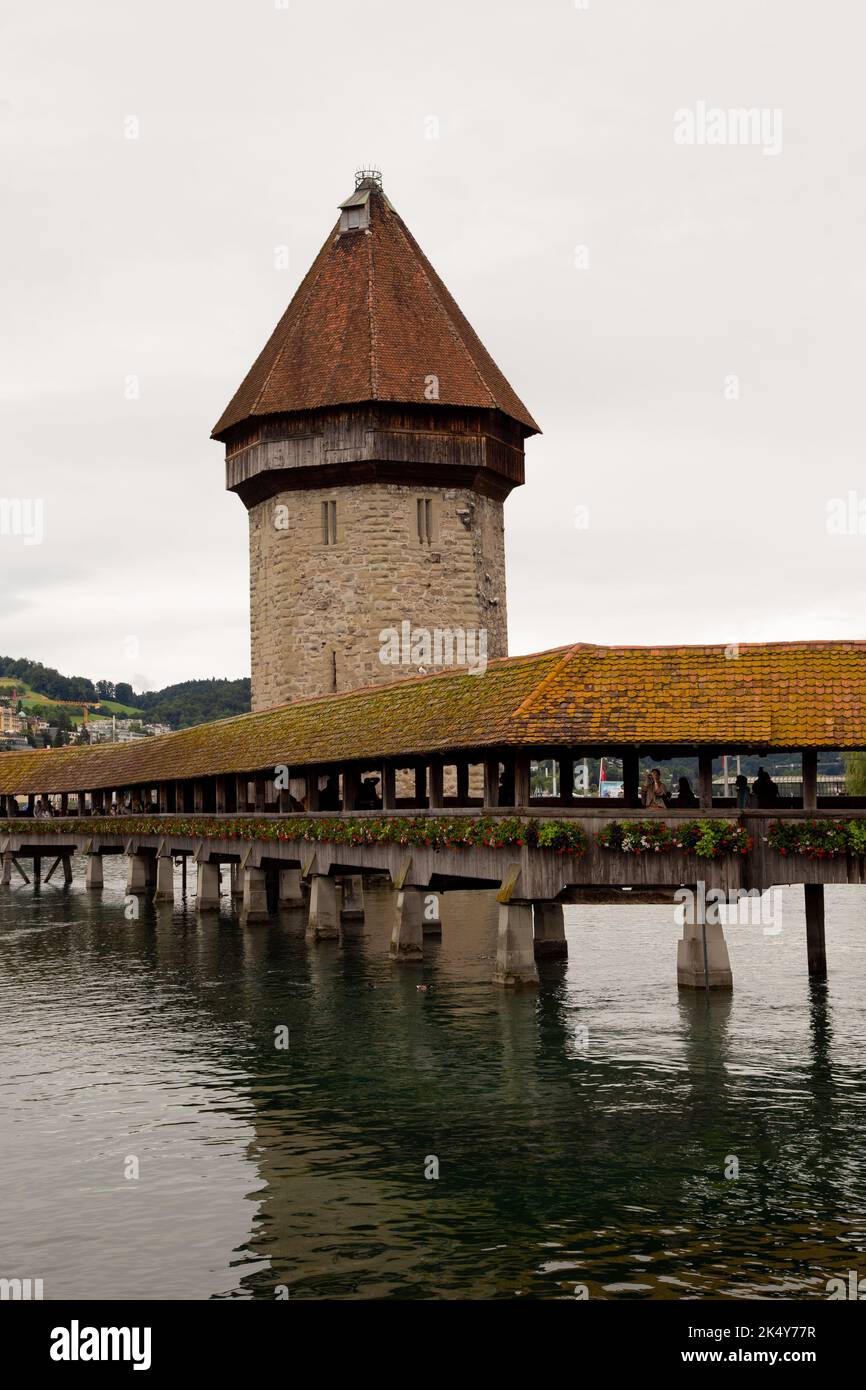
column 587, row 1134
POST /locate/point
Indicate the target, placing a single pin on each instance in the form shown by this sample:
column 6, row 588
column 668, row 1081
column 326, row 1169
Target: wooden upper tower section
column 373, row 373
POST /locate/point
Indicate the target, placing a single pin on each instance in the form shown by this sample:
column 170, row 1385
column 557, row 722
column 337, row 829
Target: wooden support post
column 312, row 790
column 810, row 779
column 437, row 784
column 491, row 781
column 64, row 803
column 462, row 781
column 389, row 787
column 198, row 796
column 220, row 805
column 522, row 780
column 566, row 781
column 705, row 778
column 816, row 949
column 241, row 792
column 259, row 784
column 631, row 777
column 82, row 803
column 351, row 786
column 420, row 786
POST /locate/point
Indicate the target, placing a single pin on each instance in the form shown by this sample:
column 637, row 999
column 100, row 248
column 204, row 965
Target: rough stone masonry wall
column 317, row 610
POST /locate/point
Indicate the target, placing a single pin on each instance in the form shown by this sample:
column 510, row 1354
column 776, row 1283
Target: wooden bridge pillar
column 515, row 955
column 324, row 919
column 436, row 798
column 164, row 879
column 407, row 936
column 93, row 873
column 816, row 949
column 549, row 938
column 290, row 894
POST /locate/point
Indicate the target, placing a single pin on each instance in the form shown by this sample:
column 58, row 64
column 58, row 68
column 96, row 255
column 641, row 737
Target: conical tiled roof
column 372, row 321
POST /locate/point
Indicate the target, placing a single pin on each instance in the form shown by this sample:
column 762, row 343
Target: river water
column 155, row 1142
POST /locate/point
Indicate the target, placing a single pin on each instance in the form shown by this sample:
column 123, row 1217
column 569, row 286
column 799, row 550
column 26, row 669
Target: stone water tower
column 373, row 443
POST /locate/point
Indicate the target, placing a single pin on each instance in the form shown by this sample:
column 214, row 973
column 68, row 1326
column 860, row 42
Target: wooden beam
column 437, row 784
column 810, row 779
column 566, row 780
column 351, row 787
column 421, row 786
column 705, row 778
column 491, row 780
column 522, row 780
column 389, row 787
column 816, row 949
column 462, row 781
column 631, row 777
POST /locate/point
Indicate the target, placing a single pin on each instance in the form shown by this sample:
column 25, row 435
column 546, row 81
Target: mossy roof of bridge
column 760, row 696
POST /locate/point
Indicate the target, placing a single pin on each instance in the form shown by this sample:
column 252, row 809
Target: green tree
column 855, row 774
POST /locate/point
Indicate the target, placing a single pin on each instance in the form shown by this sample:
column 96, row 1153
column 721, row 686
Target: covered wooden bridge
column 283, row 791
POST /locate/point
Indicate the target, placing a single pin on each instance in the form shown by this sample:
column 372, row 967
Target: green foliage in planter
column 818, row 839
column 708, row 839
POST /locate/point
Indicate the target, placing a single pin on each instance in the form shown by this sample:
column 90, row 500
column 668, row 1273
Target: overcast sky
column 697, row 369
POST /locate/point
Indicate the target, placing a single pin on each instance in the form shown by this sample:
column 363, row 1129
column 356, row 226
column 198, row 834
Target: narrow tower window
column 329, row 523
column 425, row 520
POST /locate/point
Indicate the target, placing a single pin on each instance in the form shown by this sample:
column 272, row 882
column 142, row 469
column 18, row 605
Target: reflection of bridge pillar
column 137, row 873
column 694, row 969
column 352, row 903
column 324, row 920
column 93, row 874
column 432, row 922
column 6, row 878
column 164, row 879
column 290, row 888
column 549, row 940
column 515, row 954
column 407, row 937
column 255, row 905
column 207, row 893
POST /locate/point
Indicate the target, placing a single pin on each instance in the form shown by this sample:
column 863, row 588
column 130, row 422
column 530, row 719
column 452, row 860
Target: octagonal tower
column 373, row 443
